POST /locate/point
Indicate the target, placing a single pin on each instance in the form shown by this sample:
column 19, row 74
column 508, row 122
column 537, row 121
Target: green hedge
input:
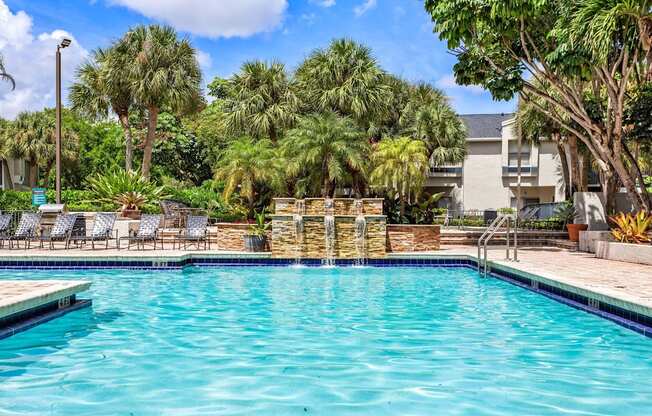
column 75, row 200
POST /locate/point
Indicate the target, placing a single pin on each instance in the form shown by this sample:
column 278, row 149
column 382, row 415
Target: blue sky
column 227, row 32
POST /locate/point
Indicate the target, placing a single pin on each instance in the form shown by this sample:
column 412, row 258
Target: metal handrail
column 483, row 241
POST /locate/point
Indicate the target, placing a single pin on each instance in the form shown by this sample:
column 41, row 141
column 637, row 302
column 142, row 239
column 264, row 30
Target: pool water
column 320, row 341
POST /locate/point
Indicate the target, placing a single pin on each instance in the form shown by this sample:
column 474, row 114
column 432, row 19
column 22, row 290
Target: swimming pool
column 322, row 341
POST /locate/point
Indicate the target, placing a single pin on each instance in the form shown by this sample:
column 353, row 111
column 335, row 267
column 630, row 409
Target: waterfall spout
column 329, row 227
column 361, row 239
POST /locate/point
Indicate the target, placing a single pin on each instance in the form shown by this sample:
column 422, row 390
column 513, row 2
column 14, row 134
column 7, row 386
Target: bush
column 125, row 190
column 75, row 200
column 208, row 197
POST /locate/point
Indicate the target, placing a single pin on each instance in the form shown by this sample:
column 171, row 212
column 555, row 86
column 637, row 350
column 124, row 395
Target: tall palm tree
column 247, row 164
column 102, row 85
column 329, row 146
column 164, row 72
column 428, row 117
column 4, row 75
column 400, row 167
column 261, row 102
column 344, row 78
column 34, row 140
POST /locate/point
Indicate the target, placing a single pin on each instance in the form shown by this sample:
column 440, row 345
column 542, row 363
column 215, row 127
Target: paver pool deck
column 623, row 284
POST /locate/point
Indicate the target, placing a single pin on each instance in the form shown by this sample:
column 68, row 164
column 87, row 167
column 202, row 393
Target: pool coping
column 629, row 314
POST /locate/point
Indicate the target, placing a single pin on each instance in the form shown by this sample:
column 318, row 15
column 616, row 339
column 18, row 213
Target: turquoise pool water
column 302, row 341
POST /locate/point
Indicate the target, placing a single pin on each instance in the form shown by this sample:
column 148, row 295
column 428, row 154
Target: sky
column 225, row 33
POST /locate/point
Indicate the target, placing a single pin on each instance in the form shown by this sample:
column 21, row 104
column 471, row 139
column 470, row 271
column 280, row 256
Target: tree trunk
column 273, row 136
column 639, row 200
column 564, row 169
column 149, row 141
column 636, row 173
column 6, row 173
column 402, row 206
column 608, row 184
column 33, row 174
column 129, row 144
column 584, row 165
column 573, row 153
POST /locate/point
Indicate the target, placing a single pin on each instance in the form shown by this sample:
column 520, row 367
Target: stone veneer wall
column 314, row 237
column 229, row 236
column 372, row 206
column 412, row 238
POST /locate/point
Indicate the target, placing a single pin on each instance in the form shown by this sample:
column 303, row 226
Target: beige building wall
column 488, row 178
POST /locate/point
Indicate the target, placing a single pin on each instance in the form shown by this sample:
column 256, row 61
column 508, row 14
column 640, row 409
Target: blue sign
column 38, row 197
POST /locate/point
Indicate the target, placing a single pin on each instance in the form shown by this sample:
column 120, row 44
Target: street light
column 65, row 42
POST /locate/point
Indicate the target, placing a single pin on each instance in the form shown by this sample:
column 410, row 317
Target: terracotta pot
column 133, row 214
column 574, row 231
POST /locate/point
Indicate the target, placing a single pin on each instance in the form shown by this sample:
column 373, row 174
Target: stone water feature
column 339, row 228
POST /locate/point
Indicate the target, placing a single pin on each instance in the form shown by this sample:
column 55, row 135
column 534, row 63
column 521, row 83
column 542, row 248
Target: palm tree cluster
column 339, row 124
column 148, row 69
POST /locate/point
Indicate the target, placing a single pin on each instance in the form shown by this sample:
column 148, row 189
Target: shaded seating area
column 148, row 232
column 102, row 231
column 61, row 230
column 175, row 213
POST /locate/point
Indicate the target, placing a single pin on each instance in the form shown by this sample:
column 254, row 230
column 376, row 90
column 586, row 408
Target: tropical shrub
column 632, row 228
column 125, row 189
column 208, row 197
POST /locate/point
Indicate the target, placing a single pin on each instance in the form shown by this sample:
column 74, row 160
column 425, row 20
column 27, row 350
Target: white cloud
column 224, row 18
column 204, row 59
column 30, row 59
column 363, row 8
column 448, row 83
column 323, row 3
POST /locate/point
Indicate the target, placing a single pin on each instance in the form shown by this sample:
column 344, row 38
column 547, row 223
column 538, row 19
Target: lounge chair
column 5, row 224
column 147, row 232
column 103, row 230
column 26, row 230
column 196, row 232
column 60, row 231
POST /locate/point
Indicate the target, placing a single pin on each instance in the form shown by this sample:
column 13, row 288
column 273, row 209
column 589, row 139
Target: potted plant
column 256, row 239
column 567, row 213
column 130, row 204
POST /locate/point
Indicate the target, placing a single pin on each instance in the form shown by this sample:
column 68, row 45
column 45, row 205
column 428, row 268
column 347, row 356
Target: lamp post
column 65, row 42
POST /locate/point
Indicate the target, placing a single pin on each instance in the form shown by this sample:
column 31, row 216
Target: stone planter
column 630, row 253
column 133, row 214
column 255, row 243
column 574, row 231
column 588, row 239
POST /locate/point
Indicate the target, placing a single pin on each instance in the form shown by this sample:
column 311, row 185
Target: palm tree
column 261, row 102
column 247, row 164
column 344, row 78
column 400, row 167
column 328, row 146
column 34, row 140
column 163, row 72
column 102, row 84
column 4, row 76
column 428, row 117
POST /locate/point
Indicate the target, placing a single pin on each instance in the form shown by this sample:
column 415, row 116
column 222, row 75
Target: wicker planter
column 255, row 243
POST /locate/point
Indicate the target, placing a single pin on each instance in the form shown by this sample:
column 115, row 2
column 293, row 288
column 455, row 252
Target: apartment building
column 487, row 178
column 13, row 174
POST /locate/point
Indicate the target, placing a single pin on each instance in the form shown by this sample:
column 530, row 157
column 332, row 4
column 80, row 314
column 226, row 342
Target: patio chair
column 103, row 230
column 5, row 224
column 60, row 231
column 26, row 230
column 147, row 231
column 196, row 232
column 172, row 215
column 489, row 216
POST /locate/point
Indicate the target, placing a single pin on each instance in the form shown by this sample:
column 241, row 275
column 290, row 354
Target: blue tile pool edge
column 627, row 318
column 41, row 316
